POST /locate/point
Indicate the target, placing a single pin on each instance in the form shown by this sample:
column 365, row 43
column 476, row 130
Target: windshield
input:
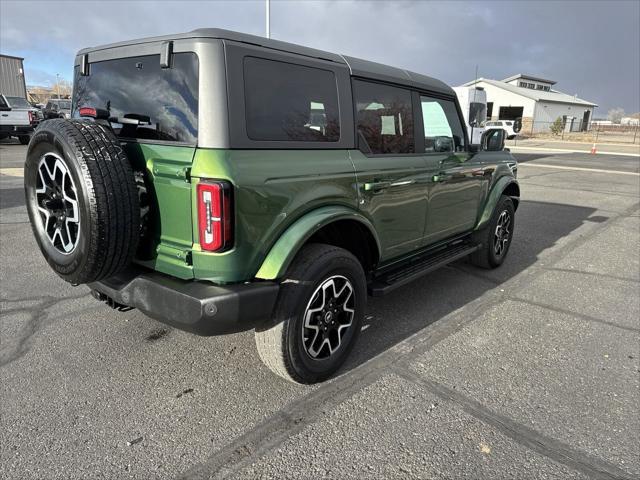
column 18, row 102
column 144, row 101
column 477, row 113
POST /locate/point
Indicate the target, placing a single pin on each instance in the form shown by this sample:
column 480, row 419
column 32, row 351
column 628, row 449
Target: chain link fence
column 576, row 130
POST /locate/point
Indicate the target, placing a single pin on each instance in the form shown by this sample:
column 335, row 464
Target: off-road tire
column 280, row 343
column 485, row 256
column 107, row 199
column 24, row 139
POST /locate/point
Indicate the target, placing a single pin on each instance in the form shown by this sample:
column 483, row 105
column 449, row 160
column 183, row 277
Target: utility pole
column 58, row 84
column 268, row 5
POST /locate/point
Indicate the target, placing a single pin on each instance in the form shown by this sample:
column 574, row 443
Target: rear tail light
column 32, row 117
column 215, row 215
column 87, row 112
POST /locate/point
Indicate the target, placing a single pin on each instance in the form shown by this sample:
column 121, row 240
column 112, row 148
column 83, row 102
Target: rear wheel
column 496, row 236
column 318, row 315
column 82, row 200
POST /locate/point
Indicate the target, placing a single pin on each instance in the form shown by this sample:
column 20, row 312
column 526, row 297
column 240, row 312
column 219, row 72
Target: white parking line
column 596, row 170
column 12, row 172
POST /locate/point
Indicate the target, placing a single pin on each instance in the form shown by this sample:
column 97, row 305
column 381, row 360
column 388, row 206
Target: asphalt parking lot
column 528, row 371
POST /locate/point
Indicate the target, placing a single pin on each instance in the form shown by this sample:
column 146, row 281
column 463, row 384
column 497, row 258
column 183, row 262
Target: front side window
column 385, row 117
column 442, row 128
column 289, row 102
column 3, row 104
column 143, row 100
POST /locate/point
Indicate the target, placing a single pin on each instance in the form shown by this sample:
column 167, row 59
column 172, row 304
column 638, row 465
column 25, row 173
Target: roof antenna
column 268, row 6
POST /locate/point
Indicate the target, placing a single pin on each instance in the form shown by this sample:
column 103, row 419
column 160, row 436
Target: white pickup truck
column 17, row 118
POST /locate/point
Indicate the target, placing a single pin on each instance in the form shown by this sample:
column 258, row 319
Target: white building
column 535, row 101
column 630, row 121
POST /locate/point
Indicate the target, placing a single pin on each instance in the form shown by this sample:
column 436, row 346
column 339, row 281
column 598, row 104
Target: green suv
column 221, row 182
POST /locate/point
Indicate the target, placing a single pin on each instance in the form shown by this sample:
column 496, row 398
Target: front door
column 392, row 177
column 456, row 179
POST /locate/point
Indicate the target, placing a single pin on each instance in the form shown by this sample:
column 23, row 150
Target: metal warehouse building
column 536, row 101
column 12, row 76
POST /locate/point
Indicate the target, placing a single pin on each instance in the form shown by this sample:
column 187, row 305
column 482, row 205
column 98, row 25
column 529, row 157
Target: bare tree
column 615, row 114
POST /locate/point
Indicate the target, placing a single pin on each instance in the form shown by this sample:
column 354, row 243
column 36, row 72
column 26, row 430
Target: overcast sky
column 590, row 48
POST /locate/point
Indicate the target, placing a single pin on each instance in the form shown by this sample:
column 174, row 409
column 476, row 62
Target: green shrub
column 557, row 126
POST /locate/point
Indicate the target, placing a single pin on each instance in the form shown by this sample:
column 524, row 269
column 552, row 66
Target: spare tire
column 82, row 199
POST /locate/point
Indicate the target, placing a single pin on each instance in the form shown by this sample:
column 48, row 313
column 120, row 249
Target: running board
column 397, row 277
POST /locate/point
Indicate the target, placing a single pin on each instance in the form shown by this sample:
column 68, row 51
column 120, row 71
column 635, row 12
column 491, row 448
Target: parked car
column 506, row 125
column 17, row 118
column 57, row 108
column 222, row 182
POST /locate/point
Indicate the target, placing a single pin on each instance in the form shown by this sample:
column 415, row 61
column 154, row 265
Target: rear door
column 456, row 177
column 391, row 175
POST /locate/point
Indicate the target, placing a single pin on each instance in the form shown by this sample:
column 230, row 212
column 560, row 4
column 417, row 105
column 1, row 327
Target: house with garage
column 536, row 101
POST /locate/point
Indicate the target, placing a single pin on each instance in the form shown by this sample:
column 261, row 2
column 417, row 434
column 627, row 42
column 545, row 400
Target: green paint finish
column 272, row 190
column 504, row 178
column 282, row 253
column 281, row 197
column 169, row 193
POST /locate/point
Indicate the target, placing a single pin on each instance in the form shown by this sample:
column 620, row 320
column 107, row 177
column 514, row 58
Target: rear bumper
column 17, row 129
column 195, row 306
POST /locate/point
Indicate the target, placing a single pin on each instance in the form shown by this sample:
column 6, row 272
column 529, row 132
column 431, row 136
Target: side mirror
column 493, row 140
column 517, row 125
column 443, row 144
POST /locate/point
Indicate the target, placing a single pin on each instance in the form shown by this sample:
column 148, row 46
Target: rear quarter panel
column 272, row 189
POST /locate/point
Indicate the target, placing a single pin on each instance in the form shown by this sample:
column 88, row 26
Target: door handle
column 376, row 187
column 402, row 183
column 442, row 177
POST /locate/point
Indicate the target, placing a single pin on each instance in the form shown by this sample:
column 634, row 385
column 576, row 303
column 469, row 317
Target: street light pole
column 58, row 84
column 268, row 6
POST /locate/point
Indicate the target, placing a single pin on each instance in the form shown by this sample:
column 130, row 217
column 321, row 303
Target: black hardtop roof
column 358, row 67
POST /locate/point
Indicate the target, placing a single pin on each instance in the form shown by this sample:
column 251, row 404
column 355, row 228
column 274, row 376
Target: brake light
column 215, row 222
column 88, row 112
column 32, row 117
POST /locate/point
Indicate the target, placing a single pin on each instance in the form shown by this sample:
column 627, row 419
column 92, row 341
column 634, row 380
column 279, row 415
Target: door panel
column 455, row 192
column 392, row 193
column 392, row 177
column 456, row 177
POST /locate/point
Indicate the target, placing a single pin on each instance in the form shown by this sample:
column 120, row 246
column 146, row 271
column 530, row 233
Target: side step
column 392, row 279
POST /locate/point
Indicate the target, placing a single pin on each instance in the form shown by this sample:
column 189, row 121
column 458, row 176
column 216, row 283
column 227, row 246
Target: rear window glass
column 288, row 102
column 144, row 101
column 18, row 102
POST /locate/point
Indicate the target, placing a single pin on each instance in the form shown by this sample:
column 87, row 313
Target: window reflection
column 160, row 104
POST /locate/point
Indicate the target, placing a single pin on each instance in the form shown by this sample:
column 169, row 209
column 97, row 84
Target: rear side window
column 385, row 117
column 288, row 102
column 144, row 101
column 442, row 128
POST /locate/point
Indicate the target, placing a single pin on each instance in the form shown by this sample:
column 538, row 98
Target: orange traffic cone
column 593, row 149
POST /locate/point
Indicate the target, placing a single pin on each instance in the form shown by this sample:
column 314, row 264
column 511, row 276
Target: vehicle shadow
column 409, row 309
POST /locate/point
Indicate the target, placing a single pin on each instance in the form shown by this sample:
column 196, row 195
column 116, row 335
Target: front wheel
column 318, row 315
column 495, row 238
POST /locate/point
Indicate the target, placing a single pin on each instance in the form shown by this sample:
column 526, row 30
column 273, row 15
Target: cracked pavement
column 527, row 371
